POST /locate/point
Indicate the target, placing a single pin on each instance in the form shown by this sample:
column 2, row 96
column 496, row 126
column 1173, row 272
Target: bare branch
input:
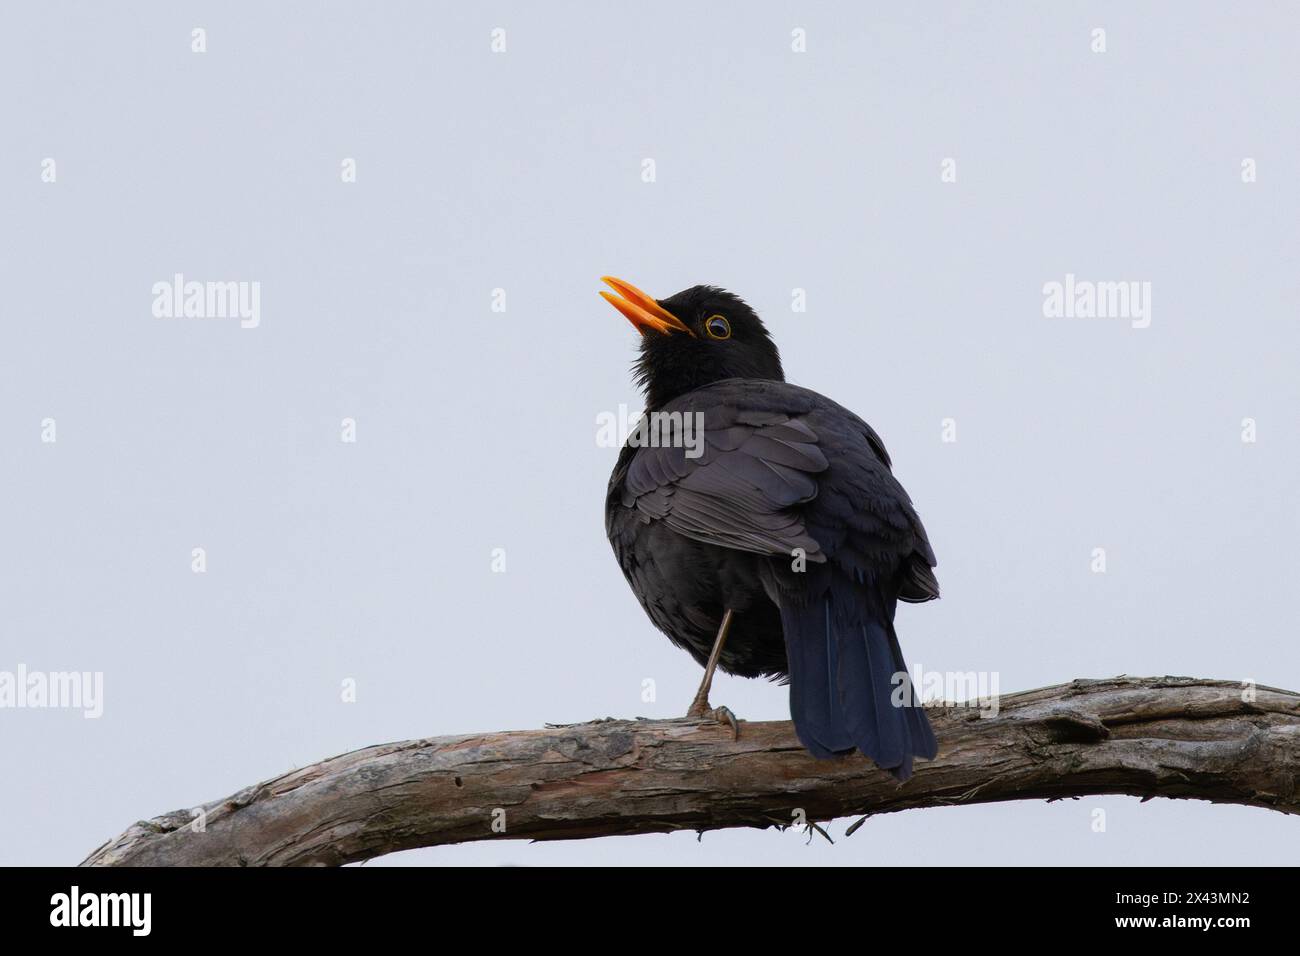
column 1148, row 737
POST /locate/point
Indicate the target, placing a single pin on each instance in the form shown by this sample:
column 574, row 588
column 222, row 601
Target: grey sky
column 476, row 430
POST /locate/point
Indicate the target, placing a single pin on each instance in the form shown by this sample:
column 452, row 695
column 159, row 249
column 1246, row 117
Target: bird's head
column 698, row 336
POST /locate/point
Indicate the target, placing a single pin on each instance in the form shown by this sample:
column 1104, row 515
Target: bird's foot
column 700, row 710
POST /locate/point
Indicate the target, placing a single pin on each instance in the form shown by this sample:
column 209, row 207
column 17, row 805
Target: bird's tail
column 848, row 684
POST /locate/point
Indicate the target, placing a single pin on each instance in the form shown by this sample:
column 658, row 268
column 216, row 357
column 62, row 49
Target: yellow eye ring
column 717, row 327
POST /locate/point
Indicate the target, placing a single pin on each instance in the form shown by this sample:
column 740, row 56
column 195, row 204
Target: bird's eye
column 718, row 327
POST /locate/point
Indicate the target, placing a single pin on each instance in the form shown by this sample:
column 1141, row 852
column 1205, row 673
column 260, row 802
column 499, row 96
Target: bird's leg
column 700, row 706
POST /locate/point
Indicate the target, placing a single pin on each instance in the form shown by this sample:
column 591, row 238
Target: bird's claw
column 723, row 715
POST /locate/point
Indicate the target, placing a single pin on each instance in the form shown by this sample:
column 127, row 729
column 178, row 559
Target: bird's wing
column 741, row 487
column 863, row 517
column 783, row 468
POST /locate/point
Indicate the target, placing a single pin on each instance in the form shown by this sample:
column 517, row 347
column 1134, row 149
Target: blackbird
column 762, row 530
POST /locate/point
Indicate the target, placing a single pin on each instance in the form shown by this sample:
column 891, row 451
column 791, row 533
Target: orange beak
column 642, row 310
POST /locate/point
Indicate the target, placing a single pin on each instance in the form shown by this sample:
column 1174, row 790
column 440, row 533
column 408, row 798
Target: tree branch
column 1147, row 737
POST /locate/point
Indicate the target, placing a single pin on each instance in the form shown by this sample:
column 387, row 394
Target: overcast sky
column 920, row 175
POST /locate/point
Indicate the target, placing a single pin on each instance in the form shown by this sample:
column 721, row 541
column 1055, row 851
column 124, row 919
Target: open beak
column 642, row 310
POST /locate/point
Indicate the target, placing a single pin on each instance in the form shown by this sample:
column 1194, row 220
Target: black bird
column 778, row 546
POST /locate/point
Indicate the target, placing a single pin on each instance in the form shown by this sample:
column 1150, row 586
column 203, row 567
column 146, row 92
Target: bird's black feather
column 792, row 518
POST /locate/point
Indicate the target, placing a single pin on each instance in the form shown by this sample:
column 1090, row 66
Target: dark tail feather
column 924, row 743
column 812, row 653
column 844, row 655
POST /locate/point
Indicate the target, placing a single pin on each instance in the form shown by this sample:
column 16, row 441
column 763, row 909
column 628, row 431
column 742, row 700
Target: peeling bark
column 1148, row 737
